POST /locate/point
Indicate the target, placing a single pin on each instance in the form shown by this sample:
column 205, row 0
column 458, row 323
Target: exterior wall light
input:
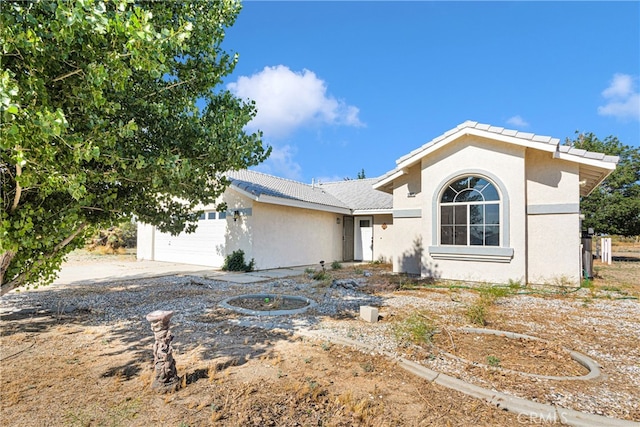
column 236, row 215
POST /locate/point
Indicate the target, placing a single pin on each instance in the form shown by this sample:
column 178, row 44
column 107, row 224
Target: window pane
column 490, row 193
column 446, row 235
column 211, row 215
column 460, row 237
column 448, row 196
column 460, row 214
column 476, row 236
column 492, row 236
column 492, row 214
column 222, row 215
column 469, row 196
column 365, row 223
column 478, row 183
column 446, row 215
column 202, row 216
column 460, row 185
column 476, row 214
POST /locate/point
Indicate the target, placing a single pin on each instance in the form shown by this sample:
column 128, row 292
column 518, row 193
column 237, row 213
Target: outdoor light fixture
column 338, row 220
column 236, row 215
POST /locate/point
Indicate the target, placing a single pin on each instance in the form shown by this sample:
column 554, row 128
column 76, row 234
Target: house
column 282, row 223
column 484, row 203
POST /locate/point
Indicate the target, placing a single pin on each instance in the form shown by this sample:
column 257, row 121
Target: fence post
column 605, row 246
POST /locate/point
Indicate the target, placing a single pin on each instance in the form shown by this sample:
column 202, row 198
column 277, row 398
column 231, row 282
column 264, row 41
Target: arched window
column 470, row 213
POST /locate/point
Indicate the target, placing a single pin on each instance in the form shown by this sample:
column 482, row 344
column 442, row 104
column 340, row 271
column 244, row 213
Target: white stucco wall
column 383, row 242
column 144, row 245
column 553, row 219
column 502, row 163
column 286, row 236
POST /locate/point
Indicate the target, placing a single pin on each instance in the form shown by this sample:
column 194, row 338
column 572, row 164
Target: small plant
column 335, row 265
column 309, row 270
column 477, row 312
column 417, row 328
column 321, row 275
column 235, row 262
column 326, row 346
column 493, row 361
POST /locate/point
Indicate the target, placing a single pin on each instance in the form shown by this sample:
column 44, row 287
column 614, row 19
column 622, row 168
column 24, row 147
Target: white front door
column 363, row 238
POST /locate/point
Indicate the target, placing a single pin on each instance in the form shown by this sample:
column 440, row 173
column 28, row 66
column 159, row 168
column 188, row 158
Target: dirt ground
column 74, row 368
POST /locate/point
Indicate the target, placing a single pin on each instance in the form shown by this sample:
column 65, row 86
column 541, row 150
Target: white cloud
column 287, row 100
column 281, row 163
column 623, row 98
column 517, row 121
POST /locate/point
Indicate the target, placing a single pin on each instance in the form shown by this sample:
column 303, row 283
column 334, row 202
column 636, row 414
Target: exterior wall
column 383, row 241
column 553, row 220
column 144, row 245
column 239, row 233
column 286, row 236
column 408, row 248
column 500, row 163
column 407, row 191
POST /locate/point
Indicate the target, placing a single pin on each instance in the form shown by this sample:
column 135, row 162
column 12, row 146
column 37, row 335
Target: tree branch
column 16, row 197
column 69, row 74
column 170, row 87
column 19, row 280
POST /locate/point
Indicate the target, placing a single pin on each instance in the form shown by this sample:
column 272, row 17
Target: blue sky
column 345, row 86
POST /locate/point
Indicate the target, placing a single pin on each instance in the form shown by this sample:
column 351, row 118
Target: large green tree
column 614, row 206
column 101, row 121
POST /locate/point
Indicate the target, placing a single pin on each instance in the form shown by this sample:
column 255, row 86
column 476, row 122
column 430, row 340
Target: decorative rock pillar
column 166, row 376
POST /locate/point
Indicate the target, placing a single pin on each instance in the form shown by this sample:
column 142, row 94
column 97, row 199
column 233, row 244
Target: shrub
column 416, row 328
column 114, row 239
column 235, row 262
column 335, row 265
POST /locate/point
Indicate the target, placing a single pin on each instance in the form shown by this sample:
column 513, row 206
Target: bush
column 335, row 265
column 235, row 262
column 114, row 239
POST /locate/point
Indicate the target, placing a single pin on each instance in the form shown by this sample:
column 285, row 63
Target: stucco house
column 484, row 203
column 282, row 223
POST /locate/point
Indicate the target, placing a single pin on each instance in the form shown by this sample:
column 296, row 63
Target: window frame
column 501, row 253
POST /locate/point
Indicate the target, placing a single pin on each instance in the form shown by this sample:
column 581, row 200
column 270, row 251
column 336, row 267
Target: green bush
column 235, row 262
column 335, row 265
column 115, row 238
column 417, row 328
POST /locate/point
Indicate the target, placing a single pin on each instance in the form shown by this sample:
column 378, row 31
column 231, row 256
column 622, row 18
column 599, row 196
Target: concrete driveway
column 125, row 269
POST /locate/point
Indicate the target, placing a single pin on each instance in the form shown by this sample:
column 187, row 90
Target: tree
column 614, row 206
column 101, row 122
column 361, row 174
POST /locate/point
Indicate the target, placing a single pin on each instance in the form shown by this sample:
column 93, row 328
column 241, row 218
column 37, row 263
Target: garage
column 202, row 247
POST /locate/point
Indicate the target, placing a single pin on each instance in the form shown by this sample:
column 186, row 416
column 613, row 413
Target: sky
column 346, row 86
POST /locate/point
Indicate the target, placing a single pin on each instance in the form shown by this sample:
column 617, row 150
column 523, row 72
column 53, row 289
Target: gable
column 594, row 167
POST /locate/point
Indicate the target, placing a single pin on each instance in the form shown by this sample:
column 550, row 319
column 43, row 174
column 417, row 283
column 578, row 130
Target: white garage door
column 205, row 246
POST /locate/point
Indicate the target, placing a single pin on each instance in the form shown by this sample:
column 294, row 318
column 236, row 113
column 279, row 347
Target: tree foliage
column 100, row 121
column 614, row 206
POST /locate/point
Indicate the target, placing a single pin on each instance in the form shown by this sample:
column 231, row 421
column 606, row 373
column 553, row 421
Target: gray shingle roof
column 354, row 194
column 359, row 194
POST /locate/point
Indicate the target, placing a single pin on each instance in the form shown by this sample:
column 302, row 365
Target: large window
column 470, row 213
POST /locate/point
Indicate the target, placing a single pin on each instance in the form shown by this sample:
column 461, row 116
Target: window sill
column 471, row 253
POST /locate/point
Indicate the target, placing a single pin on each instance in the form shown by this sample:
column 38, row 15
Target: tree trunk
column 5, row 260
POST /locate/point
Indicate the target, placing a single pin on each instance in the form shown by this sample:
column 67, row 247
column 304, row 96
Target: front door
column 347, row 238
column 364, row 239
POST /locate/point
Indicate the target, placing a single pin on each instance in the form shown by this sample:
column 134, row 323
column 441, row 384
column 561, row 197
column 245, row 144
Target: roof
column 594, row 167
column 340, row 197
column 359, row 194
